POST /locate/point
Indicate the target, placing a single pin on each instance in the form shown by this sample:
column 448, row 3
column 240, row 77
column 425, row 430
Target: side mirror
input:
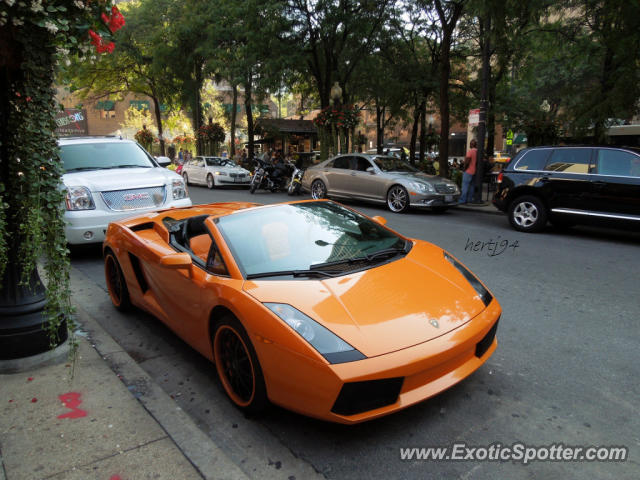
column 371, row 170
column 380, row 220
column 176, row 260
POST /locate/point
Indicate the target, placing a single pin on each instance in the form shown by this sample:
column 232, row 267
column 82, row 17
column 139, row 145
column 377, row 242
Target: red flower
column 98, row 42
column 116, row 21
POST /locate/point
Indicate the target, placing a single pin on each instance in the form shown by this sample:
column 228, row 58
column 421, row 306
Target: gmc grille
column 134, row 199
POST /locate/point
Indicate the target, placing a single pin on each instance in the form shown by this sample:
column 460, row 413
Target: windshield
column 305, row 236
column 213, row 161
column 393, row 164
column 98, row 156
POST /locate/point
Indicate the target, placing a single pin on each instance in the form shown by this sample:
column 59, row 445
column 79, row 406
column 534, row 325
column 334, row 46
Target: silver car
column 380, row 178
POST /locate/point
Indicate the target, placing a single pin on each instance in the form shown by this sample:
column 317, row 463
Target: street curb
column 199, row 449
column 481, row 209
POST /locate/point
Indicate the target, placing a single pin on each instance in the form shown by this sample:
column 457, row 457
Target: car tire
column 318, row 190
column 211, row 183
column 116, row 284
column 527, row 214
column 186, row 178
column 398, row 199
column 238, row 366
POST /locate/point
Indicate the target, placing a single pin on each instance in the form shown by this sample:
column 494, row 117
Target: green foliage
column 35, row 35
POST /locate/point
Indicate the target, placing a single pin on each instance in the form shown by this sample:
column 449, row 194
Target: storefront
column 297, row 138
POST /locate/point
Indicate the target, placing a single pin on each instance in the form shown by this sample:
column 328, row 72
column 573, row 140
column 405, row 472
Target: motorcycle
column 295, row 184
column 263, row 177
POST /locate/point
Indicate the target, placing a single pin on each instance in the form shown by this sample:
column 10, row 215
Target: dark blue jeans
column 467, row 188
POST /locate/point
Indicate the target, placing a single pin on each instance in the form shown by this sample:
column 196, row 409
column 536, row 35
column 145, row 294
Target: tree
column 133, row 66
column 332, row 38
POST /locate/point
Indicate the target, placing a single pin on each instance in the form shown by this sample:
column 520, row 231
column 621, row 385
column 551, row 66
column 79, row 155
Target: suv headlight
column 422, row 187
column 178, row 189
column 328, row 344
column 79, row 198
column 471, row 278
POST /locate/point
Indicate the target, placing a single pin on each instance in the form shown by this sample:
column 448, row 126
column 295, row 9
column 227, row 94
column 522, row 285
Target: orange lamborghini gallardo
column 309, row 304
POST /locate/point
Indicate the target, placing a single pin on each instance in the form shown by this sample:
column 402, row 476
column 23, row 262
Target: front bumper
column 425, row 370
column 419, row 200
column 90, row 226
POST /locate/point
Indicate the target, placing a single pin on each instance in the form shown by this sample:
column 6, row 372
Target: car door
column 177, row 292
column 566, row 179
column 366, row 182
column 339, row 176
column 616, row 183
column 200, row 171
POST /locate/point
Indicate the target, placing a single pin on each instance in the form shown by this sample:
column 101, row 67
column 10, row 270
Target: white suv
column 108, row 178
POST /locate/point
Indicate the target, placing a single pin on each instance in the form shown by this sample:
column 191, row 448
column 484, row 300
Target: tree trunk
column 414, row 132
column 380, row 113
column 232, row 148
column 423, row 130
column 249, row 114
column 158, row 115
column 491, row 118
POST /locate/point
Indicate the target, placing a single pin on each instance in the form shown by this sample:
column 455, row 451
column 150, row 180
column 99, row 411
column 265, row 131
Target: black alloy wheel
column 238, row 366
column 116, row 284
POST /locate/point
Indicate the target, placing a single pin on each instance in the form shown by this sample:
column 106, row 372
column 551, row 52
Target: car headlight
column 471, row 278
column 178, row 189
column 79, row 198
column 422, row 187
column 217, row 172
column 328, row 344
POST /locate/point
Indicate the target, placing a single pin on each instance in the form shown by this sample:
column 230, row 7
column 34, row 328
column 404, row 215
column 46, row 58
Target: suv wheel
column 527, row 214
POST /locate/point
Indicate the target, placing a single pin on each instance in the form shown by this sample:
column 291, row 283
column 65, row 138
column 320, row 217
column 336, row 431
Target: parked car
column 569, row 185
column 310, row 305
column 214, row 172
column 381, row 179
column 108, row 178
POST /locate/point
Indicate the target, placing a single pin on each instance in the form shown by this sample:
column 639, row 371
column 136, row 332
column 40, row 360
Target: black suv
column 568, row 185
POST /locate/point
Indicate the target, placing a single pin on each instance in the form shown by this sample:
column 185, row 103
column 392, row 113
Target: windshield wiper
column 293, row 273
column 79, row 169
column 385, row 252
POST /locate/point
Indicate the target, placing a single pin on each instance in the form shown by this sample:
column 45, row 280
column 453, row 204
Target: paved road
column 565, row 371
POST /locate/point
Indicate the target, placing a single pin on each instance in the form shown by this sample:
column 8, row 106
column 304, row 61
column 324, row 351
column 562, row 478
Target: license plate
column 448, row 198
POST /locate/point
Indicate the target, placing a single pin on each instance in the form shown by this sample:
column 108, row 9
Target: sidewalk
column 92, row 426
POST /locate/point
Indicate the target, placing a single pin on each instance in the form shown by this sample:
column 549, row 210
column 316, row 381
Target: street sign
column 474, row 117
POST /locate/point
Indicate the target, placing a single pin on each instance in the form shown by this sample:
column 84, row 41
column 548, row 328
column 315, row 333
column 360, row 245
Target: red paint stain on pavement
column 116, row 477
column 29, row 379
column 34, row 400
column 72, row 401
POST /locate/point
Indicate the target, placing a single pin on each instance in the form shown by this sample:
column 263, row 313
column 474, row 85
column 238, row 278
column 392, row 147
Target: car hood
column 417, row 299
column 119, row 178
column 421, row 176
column 227, row 169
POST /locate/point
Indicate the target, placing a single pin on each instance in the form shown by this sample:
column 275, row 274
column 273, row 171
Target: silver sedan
column 381, row 179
